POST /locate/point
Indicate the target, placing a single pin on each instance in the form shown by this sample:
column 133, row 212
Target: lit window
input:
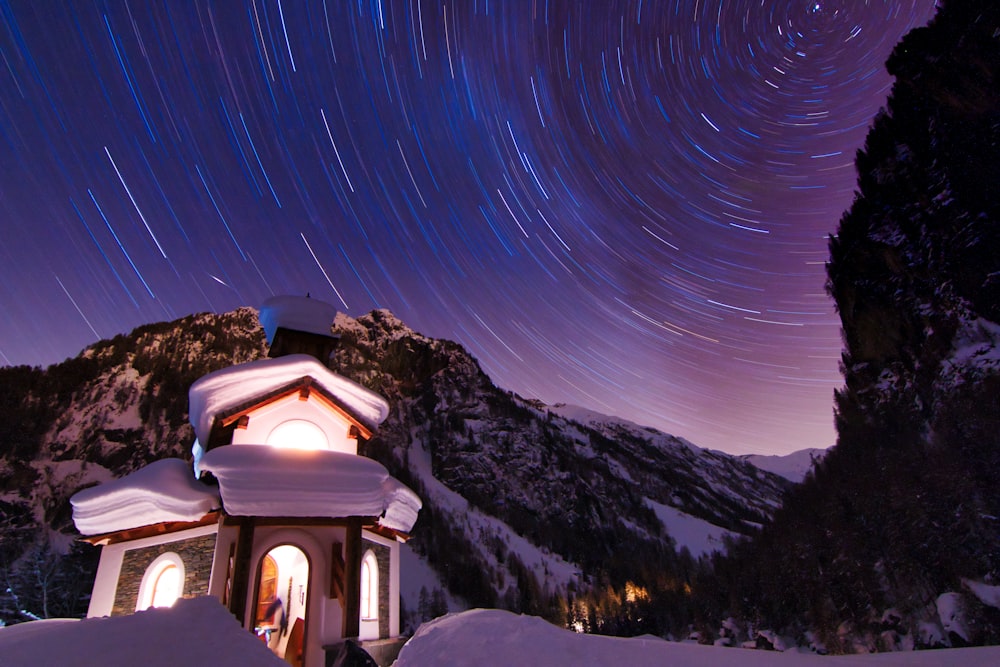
column 162, row 583
column 167, row 587
column 298, row 434
column 369, row 587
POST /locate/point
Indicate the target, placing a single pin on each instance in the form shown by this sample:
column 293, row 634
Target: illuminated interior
column 298, row 434
column 369, row 587
column 369, row 597
column 162, row 583
column 167, row 587
column 280, row 610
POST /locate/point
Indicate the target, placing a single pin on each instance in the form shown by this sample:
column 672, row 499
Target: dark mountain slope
column 524, row 508
column 885, row 545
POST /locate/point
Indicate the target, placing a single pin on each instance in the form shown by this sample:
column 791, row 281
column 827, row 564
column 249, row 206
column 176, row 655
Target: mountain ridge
column 524, row 508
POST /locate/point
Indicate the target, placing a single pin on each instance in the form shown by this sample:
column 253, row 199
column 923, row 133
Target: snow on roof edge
column 225, row 389
column 298, row 313
column 259, row 480
column 164, row 490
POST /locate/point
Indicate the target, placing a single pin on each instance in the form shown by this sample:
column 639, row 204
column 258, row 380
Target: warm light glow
column 634, row 593
column 167, row 588
column 162, row 583
column 281, row 601
column 298, row 434
column 369, row 587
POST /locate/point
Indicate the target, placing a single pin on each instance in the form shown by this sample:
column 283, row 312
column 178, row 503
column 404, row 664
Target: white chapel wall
column 264, row 420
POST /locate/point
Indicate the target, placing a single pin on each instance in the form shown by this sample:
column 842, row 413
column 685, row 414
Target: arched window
column 162, row 583
column 298, row 434
column 369, row 587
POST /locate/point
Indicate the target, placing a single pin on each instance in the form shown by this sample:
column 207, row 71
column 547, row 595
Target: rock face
column 521, row 503
column 525, row 505
column 904, row 509
column 118, row 405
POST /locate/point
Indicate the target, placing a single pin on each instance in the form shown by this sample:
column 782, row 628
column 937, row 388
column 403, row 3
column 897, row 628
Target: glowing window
column 298, row 434
column 162, row 583
column 167, row 587
column 369, row 587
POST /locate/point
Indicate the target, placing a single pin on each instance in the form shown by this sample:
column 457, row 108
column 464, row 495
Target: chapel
column 278, row 516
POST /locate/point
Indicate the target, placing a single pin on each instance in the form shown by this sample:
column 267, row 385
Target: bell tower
column 299, row 325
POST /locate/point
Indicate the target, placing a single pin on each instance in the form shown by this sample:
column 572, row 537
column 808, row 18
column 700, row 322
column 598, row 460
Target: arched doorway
column 280, row 602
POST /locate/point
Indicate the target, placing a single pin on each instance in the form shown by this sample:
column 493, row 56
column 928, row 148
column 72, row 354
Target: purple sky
column 621, row 205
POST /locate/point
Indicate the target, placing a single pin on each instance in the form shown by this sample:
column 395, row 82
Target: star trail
column 622, row 205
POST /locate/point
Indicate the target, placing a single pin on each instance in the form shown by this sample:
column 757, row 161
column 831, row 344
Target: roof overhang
column 153, row 530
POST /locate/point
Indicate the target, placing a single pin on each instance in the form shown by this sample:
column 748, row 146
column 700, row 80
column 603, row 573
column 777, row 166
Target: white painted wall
column 109, row 567
column 267, row 418
column 394, row 546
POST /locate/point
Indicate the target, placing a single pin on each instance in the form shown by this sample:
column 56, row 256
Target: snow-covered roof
column 297, row 313
column 259, row 480
column 229, row 388
column 164, row 490
column 195, row 632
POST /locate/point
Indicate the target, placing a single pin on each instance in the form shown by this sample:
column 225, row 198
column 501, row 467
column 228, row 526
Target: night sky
column 621, row 205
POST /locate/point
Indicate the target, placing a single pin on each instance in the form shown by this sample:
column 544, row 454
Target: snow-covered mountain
column 794, row 467
column 525, row 505
column 890, row 542
column 524, row 502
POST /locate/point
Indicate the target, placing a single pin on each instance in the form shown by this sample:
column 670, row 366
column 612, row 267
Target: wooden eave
column 152, row 530
column 231, row 520
column 306, row 387
column 367, row 522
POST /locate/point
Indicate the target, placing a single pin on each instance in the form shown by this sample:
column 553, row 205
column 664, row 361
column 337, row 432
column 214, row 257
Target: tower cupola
column 299, row 325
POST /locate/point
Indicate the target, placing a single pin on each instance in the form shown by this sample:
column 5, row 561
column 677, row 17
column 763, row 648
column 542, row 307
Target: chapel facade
column 278, row 516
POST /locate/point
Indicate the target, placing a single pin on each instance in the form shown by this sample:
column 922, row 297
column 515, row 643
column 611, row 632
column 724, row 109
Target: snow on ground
column 550, row 569
column 698, row 535
column 487, row 637
column 586, row 416
column 987, row 594
column 196, row 632
column 415, row 573
column 792, row 467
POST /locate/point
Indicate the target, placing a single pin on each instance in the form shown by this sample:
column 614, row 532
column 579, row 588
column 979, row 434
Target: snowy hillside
column 525, row 506
column 117, row 406
column 794, row 467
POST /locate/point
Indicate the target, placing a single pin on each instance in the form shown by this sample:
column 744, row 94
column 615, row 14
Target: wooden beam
column 337, row 574
column 328, row 401
column 241, row 569
column 227, row 590
column 306, row 388
column 352, row 580
column 366, row 521
column 161, row 528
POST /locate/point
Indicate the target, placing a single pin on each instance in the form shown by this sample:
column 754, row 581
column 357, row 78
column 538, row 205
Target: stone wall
column 195, row 552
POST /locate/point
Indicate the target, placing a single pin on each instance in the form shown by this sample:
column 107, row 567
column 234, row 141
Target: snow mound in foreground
column 486, row 637
column 195, row 632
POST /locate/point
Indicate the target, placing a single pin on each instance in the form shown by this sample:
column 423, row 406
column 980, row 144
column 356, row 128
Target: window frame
column 369, row 593
column 151, row 577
